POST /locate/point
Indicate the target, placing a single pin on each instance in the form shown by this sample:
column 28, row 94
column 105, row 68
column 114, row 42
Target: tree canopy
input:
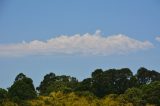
column 22, row 88
column 112, row 87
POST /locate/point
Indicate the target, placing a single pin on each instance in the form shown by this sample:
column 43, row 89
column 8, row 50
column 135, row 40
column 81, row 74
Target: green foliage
column 51, row 83
column 8, row 103
column 151, row 93
column 111, row 100
column 98, row 83
column 113, row 87
column 146, row 76
column 110, row 81
column 85, row 85
column 133, row 95
column 48, row 80
column 133, row 82
column 22, row 89
column 3, row 94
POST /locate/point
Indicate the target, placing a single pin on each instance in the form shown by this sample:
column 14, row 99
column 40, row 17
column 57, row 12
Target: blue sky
column 31, row 38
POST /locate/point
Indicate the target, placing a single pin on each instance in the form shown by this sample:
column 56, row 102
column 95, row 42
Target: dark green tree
column 48, row 80
column 22, row 88
column 155, row 76
column 110, row 81
column 122, row 80
column 85, row 85
column 151, row 93
column 133, row 95
column 117, row 80
column 3, row 95
column 52, row 83
column 98, row 86
column 133, row 82
column 145, row 76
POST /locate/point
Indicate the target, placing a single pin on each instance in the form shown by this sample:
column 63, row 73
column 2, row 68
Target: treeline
column 113, row 87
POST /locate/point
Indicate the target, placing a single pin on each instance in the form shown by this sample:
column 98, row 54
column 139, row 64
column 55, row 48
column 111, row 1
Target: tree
column 122, row 80
column 133, row 82
column 3, row 95
column 110, row 81
column 67, row 82
column 22, row 88
column 133, row 95
column 48, row 80
column 155, row 76
column 151, row 93
column 85, row 85
column 52, row 83
column 20, row 76
column 98, row 86
column 117, row 80
column 146, row 76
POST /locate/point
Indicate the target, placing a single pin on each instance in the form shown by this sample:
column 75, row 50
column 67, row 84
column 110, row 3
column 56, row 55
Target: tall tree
column 117, row 80
column 51, row 83
column 22, row 88
column 98, row 83
column 48, row 80
column 111, row 81
column 146, row 76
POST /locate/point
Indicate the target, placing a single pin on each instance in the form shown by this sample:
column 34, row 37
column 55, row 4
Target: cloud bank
column 86, row 44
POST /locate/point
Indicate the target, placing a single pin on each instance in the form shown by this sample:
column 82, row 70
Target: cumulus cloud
column 158, row 38
column 86, row 44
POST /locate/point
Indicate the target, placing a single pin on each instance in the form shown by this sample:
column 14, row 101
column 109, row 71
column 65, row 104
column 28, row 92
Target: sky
column 75, row 37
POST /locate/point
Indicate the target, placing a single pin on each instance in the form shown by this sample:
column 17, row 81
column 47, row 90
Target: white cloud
column 86, row 44
column 158, row 38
